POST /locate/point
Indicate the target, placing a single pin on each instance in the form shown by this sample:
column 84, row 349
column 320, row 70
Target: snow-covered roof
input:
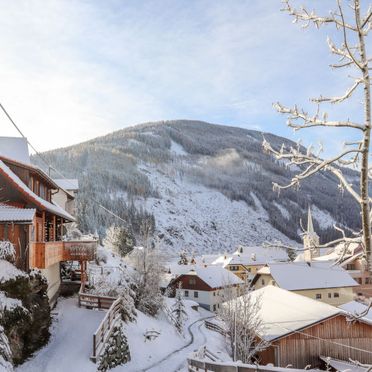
column 69, row 184
column 267, row 254
column 342, row 365
column 40, row 202
column 15, row 148
column 283, row 312
column 355, row 308
column 9, row 213
column 300, row 275
column 215, row 276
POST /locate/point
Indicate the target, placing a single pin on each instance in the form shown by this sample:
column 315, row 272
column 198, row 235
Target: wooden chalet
column 300, row 331
column 206, row 285
column 34, row 223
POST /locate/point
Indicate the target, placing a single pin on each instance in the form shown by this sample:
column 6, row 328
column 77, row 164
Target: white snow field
column 71, row 343
column 181, row 210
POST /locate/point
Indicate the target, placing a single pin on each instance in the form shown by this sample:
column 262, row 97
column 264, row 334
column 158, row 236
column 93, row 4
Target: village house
column 209, row 286
column 66, row 194
column 32, row 220
column 352, row 259
column 246, row 261
column 301, row 330
column 318, row 280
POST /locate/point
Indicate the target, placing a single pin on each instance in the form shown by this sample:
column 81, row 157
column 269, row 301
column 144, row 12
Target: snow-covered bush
column 5, row 353
column 7, row 251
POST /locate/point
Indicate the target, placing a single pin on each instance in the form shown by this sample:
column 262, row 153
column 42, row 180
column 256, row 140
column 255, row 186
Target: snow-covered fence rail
column 195, row 364
column 92, row 301
column 171, row 317
column 106, row 327
column 215, row 327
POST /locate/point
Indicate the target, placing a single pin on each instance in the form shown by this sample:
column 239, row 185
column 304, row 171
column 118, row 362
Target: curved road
column 174, row 361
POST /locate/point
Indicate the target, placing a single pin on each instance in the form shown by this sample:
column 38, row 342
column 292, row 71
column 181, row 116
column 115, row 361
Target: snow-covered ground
column 181, row 210
column 71, row 343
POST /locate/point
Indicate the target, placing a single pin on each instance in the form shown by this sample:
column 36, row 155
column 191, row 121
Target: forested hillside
column 198, row 185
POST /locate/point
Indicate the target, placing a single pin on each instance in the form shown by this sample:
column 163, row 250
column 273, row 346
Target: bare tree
column 243, row 322
column 351, row 53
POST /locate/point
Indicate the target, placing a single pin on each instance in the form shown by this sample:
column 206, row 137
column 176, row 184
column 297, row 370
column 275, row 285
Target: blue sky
column 73, row 70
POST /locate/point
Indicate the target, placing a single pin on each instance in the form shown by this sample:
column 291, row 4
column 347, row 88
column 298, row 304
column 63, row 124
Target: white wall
column 52, row 275
column 207, row 299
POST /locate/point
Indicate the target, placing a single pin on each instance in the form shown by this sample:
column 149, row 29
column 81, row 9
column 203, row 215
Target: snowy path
column 71, row 342
column 171, row 362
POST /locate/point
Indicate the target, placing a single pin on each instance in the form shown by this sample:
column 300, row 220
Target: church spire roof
column 310, row 226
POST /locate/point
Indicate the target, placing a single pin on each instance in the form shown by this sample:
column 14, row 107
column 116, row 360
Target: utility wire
column 53, row 168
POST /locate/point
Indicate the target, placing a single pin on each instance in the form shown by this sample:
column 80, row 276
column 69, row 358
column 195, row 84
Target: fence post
column 94, row 346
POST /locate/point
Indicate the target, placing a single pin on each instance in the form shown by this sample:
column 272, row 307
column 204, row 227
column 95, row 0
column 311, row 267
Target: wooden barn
column 301, row 330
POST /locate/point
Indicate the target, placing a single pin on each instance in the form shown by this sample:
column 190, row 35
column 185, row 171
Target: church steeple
column 310, row 226
column 311, row 239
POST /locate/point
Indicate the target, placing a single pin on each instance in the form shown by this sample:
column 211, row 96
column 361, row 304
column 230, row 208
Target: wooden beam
column 43, row 227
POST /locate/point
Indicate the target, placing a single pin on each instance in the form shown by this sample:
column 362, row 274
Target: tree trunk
column 366, row 223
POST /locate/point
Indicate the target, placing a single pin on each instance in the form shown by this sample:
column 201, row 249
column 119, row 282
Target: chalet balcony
column 45, row 254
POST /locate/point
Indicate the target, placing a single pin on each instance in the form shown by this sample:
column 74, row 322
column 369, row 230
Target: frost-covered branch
column 307, row 17
column 314, row 165
column 316, row 120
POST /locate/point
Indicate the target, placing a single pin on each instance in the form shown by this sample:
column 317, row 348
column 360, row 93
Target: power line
column 50, row 167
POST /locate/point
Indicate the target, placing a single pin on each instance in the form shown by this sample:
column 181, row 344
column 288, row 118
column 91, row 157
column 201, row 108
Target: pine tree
column 119, row 239
column 183, row 259
column 178, row 310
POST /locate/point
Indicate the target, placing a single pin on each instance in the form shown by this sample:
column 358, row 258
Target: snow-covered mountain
column 202, row 186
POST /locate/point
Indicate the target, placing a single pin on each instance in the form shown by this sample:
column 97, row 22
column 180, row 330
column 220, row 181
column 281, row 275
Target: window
column 214, row 307
column 186, row 293
column 196, row 294
column 336, row 295
column 329, row 295
column 214, row 294
column 273, row 282
column 192, row 281
column 367, row 281
column 263, row 281
column 318, row 296
column 249, row 269
column 350, row 267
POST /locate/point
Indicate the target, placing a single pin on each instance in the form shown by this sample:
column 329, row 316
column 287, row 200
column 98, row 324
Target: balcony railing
column 43, row 255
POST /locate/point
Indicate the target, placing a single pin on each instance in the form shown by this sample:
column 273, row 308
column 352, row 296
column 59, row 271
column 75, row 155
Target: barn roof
column 283, row 312
column 13, row 214
column 300, row 275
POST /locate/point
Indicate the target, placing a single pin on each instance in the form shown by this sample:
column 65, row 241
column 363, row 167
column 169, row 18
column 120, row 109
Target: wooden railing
column 106, row 327
column 215, row 327
column 45, row 254
column 92, row 301
column 196, row 364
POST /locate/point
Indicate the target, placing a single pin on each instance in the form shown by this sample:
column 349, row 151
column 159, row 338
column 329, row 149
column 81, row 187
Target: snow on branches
column 350, row 53
column 7, row 251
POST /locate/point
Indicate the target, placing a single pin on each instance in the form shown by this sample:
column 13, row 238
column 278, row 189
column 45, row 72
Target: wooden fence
column 215, row 327
column 106, row 327
column 91, row 301
column 200, row 365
